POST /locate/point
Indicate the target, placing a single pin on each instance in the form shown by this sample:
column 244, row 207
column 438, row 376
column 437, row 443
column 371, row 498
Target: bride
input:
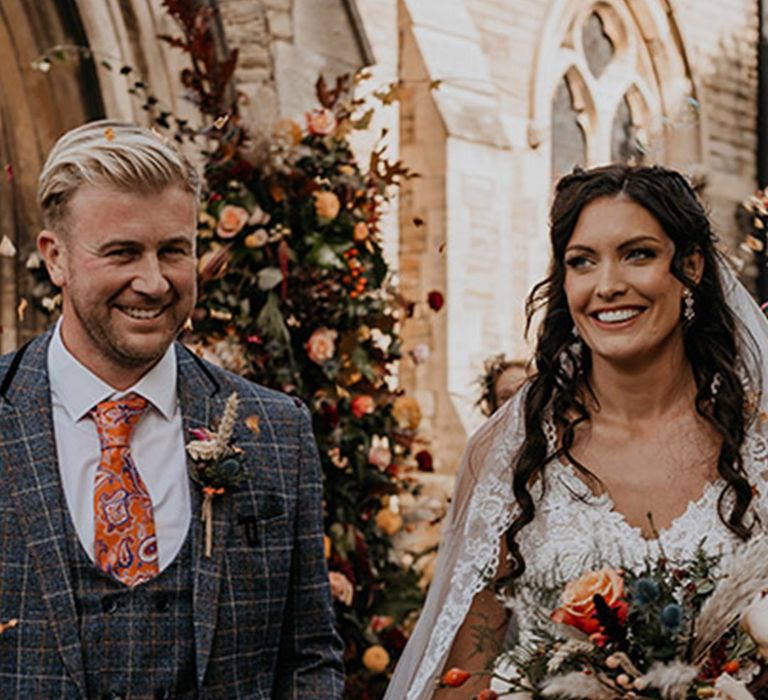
column 642, row 423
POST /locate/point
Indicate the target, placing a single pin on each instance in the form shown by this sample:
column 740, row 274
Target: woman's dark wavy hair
column 561, row 384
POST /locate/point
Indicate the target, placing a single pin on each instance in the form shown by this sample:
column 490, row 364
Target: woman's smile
column 619, row 317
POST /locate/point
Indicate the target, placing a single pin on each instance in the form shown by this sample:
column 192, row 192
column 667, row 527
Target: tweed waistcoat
column 137, row 642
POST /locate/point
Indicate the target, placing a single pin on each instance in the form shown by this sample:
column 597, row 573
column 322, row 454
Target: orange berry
column 731, row 666
column 488, row 694
column 455, row 677
column 376, row 659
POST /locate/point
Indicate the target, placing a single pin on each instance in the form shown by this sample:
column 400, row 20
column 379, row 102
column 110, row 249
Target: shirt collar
column 79, row 390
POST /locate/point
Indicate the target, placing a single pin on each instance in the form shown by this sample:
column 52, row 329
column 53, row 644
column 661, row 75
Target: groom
column 102, row 548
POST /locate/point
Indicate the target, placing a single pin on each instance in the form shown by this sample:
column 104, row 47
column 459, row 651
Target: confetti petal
column 7, row 249
column 220, row 315
column 109, row 133
column 8, row 173
column 21, row 309
column 34, row 262
column 252, row 423
column 51, row 303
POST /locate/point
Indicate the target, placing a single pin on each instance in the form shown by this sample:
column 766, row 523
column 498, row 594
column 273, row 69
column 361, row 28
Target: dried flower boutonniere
column 217, row 466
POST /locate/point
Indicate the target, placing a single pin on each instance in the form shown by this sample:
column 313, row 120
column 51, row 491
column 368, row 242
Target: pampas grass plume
column 576, row 686
column 672, row 679
column 745, row 574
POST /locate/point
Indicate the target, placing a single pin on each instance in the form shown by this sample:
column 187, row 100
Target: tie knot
column 115, row 420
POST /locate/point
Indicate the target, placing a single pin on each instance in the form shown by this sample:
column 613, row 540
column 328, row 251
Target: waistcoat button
column 110, row 605
column 162, row 602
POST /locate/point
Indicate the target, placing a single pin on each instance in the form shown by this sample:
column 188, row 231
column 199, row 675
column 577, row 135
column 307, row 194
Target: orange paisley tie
column 125, row 546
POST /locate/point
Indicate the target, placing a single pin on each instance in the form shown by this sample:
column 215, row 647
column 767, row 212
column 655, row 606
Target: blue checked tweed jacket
column 263, row 620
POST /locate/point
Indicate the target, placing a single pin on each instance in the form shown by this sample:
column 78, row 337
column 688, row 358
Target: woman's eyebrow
column 646, row 238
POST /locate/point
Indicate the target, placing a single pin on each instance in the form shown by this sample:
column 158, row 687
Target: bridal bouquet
column 672, row 630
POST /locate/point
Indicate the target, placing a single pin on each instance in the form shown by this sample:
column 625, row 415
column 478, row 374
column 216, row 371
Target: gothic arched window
column 606, row 103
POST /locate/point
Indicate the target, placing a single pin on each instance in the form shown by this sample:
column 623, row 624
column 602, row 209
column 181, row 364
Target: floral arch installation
column 612, row 83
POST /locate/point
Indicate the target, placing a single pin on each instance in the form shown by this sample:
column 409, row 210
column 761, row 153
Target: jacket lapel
column 202, row 404
column 28, row 456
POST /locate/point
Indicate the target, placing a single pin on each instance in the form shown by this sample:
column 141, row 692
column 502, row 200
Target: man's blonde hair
column 109, row 154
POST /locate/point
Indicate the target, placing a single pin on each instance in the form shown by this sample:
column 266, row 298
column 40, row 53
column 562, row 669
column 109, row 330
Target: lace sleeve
column 469, row 551
column 756, row 465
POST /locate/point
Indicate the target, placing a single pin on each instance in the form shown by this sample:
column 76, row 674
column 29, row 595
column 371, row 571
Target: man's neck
column 119, row 376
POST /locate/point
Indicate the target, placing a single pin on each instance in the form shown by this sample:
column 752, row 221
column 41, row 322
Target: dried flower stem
column 207, row 516
column 227, row 425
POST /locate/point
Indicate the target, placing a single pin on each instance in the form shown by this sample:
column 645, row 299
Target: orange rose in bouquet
column 577, row 600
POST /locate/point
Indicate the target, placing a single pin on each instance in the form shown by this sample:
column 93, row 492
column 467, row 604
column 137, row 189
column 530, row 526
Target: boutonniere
column 216, row 465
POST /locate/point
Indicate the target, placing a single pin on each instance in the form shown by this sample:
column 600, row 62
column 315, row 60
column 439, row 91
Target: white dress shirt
column 157, row 444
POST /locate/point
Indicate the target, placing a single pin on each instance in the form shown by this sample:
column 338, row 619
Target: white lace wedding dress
column 571, row 529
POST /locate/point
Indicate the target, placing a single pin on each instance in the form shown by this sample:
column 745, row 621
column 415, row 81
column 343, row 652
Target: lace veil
column 482, row 510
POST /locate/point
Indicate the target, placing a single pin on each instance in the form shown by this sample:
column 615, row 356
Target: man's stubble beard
column 110, row 346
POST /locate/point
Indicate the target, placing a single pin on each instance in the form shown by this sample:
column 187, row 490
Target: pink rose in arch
column 231, row 221
column 341, row 587
column 381, row 622
column 321, row 345
column 380, row 455
column 321, row 122
column 362, row 405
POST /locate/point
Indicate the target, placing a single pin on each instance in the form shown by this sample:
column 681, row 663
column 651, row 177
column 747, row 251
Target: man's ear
column 693, row 265
column 53, row 252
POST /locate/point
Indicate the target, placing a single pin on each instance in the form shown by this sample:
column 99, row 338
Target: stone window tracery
column 606, row 97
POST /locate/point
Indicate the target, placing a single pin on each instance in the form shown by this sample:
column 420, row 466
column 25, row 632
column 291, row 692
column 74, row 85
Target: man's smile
column 142, row 314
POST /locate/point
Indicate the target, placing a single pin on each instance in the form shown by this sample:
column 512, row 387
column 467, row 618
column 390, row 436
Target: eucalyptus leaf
column 270, row 321
column 324, row 255
column 269, row 277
